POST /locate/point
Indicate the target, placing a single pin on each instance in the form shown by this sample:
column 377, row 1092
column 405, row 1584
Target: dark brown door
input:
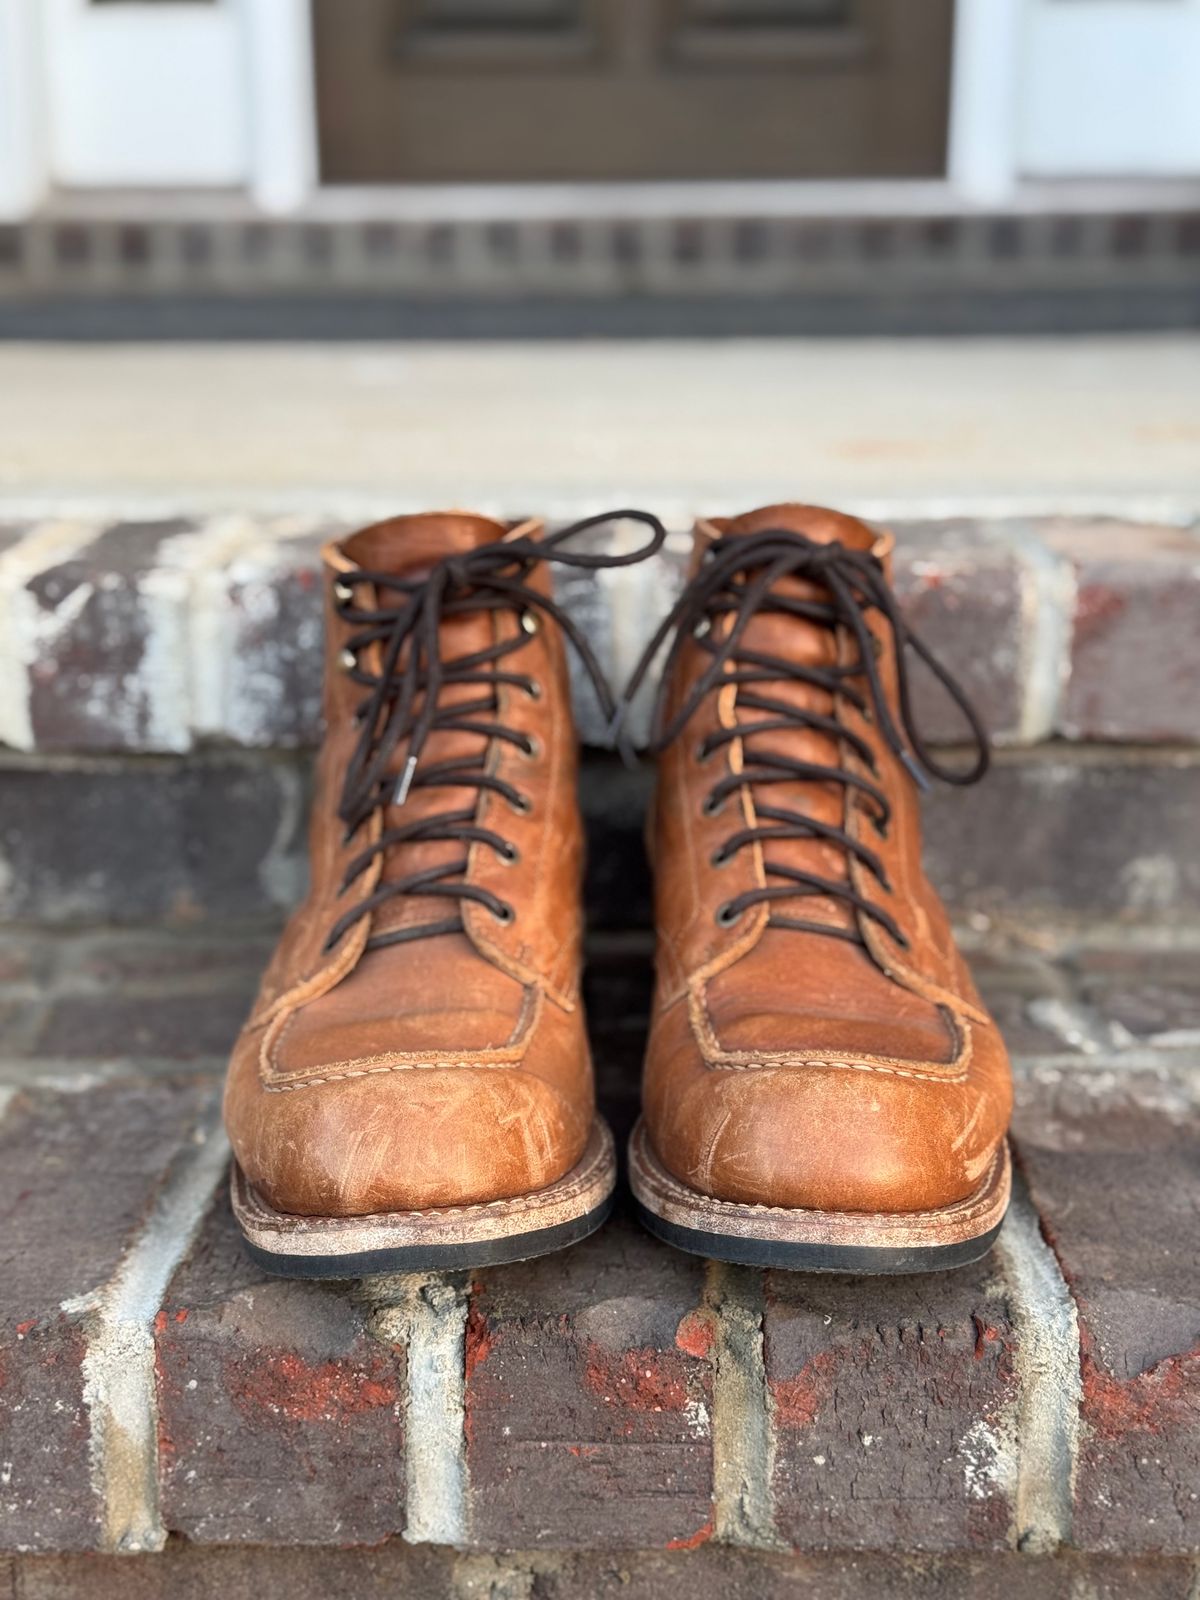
column 449, row 90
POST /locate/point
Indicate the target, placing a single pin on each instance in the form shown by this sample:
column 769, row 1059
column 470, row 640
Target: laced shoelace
column 404, row 705
column 738, row 578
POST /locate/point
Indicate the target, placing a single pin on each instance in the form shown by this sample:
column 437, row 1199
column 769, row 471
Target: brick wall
column 170, row 671
column 621, row 1419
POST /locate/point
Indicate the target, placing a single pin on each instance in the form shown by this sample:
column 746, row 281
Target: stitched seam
column 395, row 1066
column 508, row 1057
column 717, row 1060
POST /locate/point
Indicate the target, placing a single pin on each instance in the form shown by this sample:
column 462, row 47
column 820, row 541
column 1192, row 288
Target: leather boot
column 823, row 1087
column 413, row 1088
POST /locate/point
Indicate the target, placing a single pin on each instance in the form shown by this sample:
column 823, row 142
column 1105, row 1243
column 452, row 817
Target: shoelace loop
column 404, row 705
column 739, row 578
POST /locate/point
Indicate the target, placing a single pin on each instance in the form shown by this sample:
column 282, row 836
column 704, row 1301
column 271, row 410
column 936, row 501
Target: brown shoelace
column 738, row 578
column 403, row 704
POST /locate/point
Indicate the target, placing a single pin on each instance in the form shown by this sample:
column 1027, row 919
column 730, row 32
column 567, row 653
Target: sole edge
column 818, row 1241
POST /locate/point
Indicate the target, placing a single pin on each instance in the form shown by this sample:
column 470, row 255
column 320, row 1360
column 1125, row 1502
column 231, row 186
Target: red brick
column 960, row 585
column 1154, row 996
column 892, row 1405
column 1111, row 1164
column 78, row 1174
column 270, row 602
column 93, row 685
column 280, row 1416
column 138, row 840
column 171, row 1027
column 1085, row 833
column 1135, row 649
column 190, row 1572
column 589, row 1398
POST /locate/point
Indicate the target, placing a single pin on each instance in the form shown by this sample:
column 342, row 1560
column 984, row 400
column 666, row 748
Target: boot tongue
column 816, row 646
column 814, row 522
column 411, row 545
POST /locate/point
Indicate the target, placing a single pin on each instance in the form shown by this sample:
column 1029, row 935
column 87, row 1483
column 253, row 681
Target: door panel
column 463, row 90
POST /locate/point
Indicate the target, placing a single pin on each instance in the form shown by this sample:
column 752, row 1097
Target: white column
column 24, row 153
column 984, row 99
column 281, row 96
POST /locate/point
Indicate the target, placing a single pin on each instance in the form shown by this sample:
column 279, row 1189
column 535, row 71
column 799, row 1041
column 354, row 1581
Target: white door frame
column 216, row 96
column 1110, row 88
column 1019, row 105
column 24, row 155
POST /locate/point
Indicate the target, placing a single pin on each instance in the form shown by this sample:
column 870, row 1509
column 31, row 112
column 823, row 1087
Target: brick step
column 158, row 636
column 136, row 1002
column 616, row 1398
column 713, row 1572
column 1062, row 832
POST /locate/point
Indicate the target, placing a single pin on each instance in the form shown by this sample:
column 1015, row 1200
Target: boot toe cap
column 405, row 1140
column 828, row 1138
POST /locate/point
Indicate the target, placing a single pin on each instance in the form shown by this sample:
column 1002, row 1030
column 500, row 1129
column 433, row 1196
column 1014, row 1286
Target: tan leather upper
column 795, row 1068
column 449, row 1069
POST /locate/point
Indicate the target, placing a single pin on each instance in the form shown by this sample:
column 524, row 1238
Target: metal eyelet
column 532, row 747
column 720, row 857
column 533, row 689
column 505, row 914
column 712, row 806
column 702, row 753
column 881, row 828
column 529, row 621
column 347, row 660
column 343, row 592
column 510, row 855
column 522, row 805
column 702, row 629
column 727, row 915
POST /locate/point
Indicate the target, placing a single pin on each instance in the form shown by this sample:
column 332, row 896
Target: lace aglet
column 914, row 772
column 404, row 782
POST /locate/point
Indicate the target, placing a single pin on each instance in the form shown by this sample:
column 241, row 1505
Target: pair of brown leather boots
column 823, row 1088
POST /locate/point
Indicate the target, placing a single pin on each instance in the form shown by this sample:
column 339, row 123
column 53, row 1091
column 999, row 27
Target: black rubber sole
column 432, row 1257
column 858, row 1260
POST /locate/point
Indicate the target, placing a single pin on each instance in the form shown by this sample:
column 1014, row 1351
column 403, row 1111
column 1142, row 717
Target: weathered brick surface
column 1112, row 1167
column 110, row 625
column 1016, row 986
column 189, row 1572
column 963, row 590
column 892, row 1400
column 166, row 1027
column 589, row 1399
column 153, row 636
column 1134, row 669
column 149, row 840
column 280, row 1416
column 1155, row 1000
column 265, row 605
column 1087, row 833
column 78, row 1174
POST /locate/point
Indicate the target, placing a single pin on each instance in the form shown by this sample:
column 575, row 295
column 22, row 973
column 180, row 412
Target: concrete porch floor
column 920, row 427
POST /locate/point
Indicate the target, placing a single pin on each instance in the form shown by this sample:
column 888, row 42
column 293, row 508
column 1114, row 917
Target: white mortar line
column 187, row 653
column 26, row 627
column 1048, row 593
column 742, row 1436
column 118, row 1367
column 427, row 1313
column 1049, row 1383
